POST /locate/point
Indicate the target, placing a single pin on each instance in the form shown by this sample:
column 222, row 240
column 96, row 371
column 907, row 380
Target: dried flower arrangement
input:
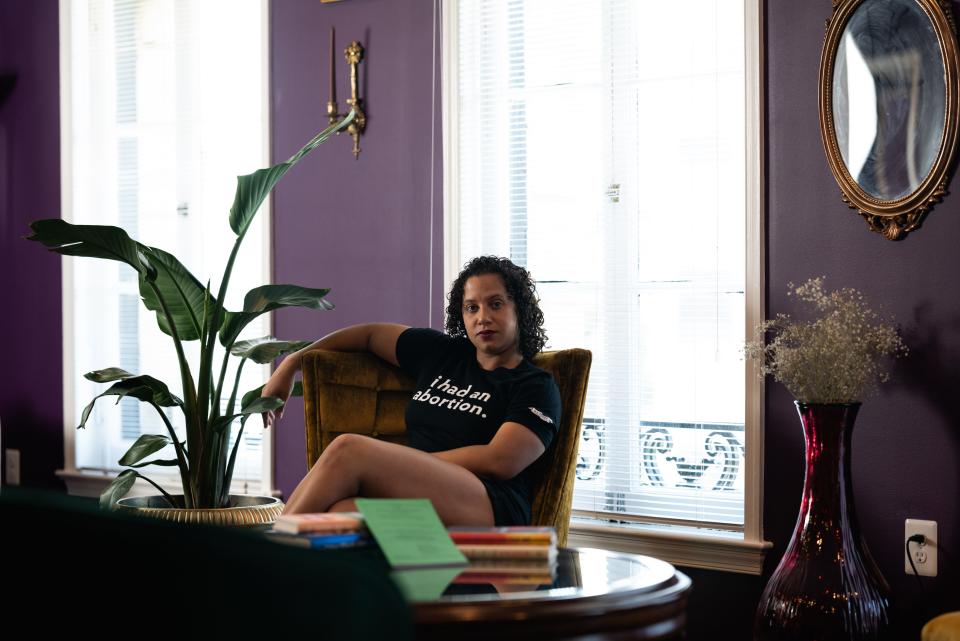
column 837, row 356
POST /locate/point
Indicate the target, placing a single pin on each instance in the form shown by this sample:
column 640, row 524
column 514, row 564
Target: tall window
column 164, row 109
column 602, row 145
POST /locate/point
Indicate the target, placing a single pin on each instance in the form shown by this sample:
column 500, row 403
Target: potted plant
column 187, row 311
column 827, row 584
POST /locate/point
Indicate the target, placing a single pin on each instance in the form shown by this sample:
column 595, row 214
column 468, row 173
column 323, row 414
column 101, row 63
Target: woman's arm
column 511, row 450
column 377, row 338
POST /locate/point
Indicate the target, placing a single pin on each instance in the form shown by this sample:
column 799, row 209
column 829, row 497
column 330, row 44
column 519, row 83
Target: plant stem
column 170, row 499
column 222, row 294
column 188, row 494
column 206, row 358
column 228, row 476
column 236, row 386
column 223, row 373
column 220, row 438
column 189, row 390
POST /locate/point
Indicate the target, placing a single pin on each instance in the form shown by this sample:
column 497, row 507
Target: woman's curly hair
column 520, row 289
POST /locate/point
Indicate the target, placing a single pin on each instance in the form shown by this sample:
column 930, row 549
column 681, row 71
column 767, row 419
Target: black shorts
column 509, row 507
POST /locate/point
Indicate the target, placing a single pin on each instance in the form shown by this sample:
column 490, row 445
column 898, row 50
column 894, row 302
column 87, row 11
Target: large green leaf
column 257, row 405
column 143, row 447
column 170, row 462
column 107, row 375
column 265, row 349
column 181, row 291
column 118, row 488
column 267, row 298
column 253, row 394
column 253, row 188
column 144, row 388
column 261, row 405
column 122, row 484
column 93, row 241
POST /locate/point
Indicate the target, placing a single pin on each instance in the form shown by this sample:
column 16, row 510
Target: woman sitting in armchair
column 481, row 415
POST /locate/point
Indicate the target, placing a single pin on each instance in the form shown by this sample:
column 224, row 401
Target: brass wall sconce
column 354, row 55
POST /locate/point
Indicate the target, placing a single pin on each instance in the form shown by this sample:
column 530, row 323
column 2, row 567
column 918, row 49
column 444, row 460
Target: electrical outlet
column 13, row 466
column 924, row 554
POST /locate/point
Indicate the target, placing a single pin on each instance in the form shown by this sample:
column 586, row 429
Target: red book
column 527, row 535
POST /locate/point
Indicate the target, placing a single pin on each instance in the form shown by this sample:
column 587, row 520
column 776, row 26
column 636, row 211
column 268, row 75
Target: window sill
column 727, row 554
column 92, row 483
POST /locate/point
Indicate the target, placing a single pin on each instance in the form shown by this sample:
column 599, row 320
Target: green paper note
column 425, row 584
column 410, row 533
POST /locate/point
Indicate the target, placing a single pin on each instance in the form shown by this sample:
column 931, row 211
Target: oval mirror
column 888, row 107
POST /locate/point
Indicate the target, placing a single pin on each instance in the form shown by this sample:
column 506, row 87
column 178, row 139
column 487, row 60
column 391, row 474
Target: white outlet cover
column 929, row 530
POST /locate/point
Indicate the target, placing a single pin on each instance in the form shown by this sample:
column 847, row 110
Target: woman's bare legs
column 354, row 466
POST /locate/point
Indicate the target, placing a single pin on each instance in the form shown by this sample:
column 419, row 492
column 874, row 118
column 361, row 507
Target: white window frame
column 87, row 482
column 688, row 548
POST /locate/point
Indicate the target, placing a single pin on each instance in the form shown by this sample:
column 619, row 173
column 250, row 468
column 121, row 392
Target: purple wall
column 31, row 404
column 360, row 227
column 906, row 445
column 363, row 227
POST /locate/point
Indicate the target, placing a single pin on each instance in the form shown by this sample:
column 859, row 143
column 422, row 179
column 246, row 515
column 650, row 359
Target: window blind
column 601, row 144
column 160, row 90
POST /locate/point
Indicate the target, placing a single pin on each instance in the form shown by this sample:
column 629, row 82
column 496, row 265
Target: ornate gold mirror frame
column 892, row 218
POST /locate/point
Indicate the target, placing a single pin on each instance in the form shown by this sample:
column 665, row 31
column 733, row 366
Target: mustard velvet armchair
column 945, row 627
column 361, row 394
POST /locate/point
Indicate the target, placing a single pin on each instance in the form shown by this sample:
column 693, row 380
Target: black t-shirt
column 457, row 403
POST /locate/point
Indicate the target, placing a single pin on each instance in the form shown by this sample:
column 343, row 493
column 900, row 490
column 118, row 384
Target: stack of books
column 507, row 555
column 321, row 530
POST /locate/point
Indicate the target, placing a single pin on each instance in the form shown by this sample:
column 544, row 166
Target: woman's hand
column 280, row 385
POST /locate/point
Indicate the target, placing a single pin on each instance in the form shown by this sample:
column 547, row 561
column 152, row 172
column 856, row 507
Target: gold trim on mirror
column 892, row 218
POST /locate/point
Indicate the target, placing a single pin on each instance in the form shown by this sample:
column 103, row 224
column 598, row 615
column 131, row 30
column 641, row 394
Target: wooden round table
column 595, row 595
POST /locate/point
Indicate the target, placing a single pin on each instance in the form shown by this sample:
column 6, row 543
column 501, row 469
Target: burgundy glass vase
column 827, row 586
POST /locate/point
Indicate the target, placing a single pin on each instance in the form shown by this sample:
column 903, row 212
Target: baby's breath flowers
column 834, row 358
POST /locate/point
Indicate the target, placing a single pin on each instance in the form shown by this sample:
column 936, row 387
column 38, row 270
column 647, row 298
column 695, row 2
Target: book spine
column 313, row 529
column 536, row 552
column 318, row 542
column 501, row 539
column 510, row 529
column 323, row 522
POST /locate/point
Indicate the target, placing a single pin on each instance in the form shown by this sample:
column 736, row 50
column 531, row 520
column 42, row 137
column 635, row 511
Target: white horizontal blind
column 166, row 111
column 601, row 144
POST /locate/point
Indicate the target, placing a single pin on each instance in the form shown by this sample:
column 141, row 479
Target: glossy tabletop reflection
column 593, row 593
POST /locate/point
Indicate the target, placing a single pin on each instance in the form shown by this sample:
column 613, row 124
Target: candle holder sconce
column 354, row 56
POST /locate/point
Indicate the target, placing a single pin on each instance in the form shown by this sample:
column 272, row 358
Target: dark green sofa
column 70, row 567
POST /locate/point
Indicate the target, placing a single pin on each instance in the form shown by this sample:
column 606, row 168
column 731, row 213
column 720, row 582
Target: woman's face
column 490, row 316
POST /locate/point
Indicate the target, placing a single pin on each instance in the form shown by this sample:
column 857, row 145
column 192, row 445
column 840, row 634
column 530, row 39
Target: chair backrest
column 352, row 392
column 556, row 469
column 359, row 393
